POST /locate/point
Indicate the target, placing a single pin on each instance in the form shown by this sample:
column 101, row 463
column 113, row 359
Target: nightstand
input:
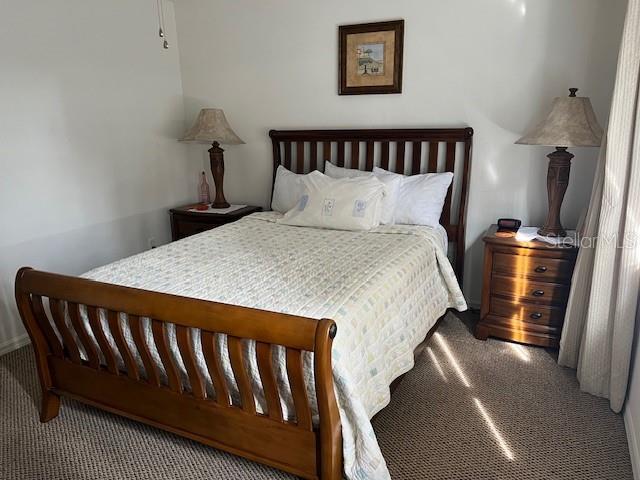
column 185, row 222
column 525, row 289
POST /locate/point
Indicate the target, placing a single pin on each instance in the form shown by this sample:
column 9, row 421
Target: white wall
column 494, row 65
column 90, row 107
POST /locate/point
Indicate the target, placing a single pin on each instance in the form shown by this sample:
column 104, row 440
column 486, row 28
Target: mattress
column 384, row 288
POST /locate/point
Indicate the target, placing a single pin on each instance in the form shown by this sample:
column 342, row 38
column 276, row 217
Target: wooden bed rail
column 83, row 363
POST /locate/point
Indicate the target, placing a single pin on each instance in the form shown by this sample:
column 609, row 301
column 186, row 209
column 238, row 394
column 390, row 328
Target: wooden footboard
column 188, row 408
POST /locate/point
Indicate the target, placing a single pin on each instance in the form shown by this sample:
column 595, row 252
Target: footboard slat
column 118, row 336
column 305, row 450
column 159, row 330
column 43, row 322
column 83, row 335
column 234, row 344
column 212, row 359
column 183, row 335
column 264, row 356
column 101, row 338
column 298, row 389
column 137, row 332
column 56, row 307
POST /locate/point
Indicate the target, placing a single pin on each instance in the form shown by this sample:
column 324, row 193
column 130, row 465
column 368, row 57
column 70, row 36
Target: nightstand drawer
column 186, row 229
column 527, row 312
column 533, row 291
column 521, row 331
column 186, row 221
column 538, row 268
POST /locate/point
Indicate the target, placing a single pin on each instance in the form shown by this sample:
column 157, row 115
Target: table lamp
column 211, row 126
column 571, row 123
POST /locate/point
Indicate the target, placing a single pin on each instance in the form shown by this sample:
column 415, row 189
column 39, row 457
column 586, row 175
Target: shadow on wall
column 475, row 250
column 501, row 116
column 73, row 253
column 596, row 77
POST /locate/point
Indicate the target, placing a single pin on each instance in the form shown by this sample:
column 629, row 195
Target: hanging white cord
column 161, row 30
column 160, row 22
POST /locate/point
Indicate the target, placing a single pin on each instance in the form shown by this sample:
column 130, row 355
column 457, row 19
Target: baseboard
column 14, row 343
column 633, row 438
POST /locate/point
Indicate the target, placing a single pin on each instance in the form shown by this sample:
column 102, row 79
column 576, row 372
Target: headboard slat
column 326, row 152
column 451, row 157
column 400, row 157
column 417, row 157
column 433, row 157
column 299, row 157
column 287, row 155
column 313, row 153
column 384, row 155
column 341, row 153
column 369, row 165
column 454, row 222
column 355, row 155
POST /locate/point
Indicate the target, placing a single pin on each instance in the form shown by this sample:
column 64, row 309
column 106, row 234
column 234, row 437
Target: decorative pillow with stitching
column 393, row 188
column 339, row 204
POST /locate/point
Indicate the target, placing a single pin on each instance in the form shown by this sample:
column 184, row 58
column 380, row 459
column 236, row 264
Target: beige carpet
column 485, row 410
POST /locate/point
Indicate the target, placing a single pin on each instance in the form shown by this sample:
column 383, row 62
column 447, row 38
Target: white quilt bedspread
column 384, row 288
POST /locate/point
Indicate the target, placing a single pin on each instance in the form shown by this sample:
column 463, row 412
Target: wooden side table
column 525, row 289
column 185, row 222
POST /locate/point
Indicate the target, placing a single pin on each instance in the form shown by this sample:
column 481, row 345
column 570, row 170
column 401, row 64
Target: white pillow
column 287, row 190
column 421, row 197
column 340, row 204
column 393, row 188
column 340, row 172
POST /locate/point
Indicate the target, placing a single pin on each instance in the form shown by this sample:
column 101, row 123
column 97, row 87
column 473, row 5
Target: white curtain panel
column 599, row 325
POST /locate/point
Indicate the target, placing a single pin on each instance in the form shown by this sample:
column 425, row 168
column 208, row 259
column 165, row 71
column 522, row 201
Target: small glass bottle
column 204, row 197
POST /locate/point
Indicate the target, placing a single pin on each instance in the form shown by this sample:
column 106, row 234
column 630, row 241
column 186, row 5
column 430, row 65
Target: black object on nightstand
column 185, row 222
column 525, row 289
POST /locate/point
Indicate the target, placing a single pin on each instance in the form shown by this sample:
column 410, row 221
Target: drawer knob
column 541, row 269
column 536, row 315
column 538, row 293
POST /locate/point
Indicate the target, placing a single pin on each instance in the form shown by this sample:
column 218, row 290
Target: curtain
column 599, row 324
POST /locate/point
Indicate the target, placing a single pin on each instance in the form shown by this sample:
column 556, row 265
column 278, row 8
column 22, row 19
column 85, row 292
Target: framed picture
column 371, row 58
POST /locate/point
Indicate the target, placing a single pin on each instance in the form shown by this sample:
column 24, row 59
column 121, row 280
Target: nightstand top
column 241, row 212
column 490, row 237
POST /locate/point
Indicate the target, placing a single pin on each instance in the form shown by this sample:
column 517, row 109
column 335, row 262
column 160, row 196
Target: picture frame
column 370, row 57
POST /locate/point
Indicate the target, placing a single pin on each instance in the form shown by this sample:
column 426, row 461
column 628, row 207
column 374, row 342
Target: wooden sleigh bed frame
column 310, row 451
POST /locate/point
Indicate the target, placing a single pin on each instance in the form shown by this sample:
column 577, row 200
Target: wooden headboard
column 408, row 151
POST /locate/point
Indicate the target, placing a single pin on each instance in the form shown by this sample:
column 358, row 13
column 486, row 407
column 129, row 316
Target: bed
column 283, row 348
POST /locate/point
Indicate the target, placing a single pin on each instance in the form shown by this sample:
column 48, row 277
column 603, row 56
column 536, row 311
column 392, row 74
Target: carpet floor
column 469, row 410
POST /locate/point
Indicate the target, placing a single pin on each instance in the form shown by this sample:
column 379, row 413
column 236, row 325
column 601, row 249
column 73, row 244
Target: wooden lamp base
column 217, row 171
column 557, row 183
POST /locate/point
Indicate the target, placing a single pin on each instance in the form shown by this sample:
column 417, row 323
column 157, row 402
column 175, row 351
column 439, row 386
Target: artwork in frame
column 371, row 58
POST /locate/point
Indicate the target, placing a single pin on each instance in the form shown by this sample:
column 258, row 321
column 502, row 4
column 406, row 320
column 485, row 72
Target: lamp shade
column 211, row 126
column 571, row 123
